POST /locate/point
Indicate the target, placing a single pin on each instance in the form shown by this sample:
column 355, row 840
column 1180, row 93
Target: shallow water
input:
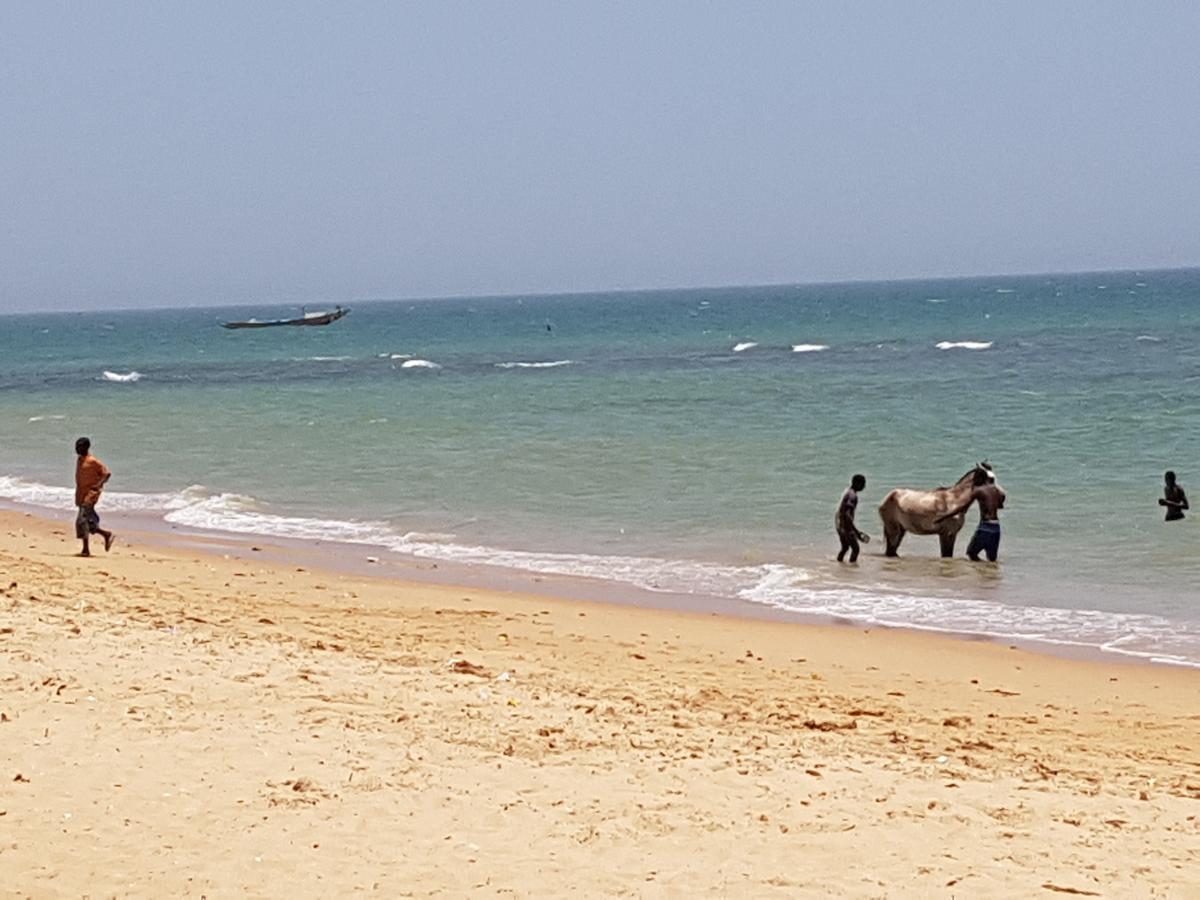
column 684, row 440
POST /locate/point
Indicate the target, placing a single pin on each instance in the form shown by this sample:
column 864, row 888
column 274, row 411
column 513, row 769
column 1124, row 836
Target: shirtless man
column 90, row 477
column 1174, row 499
column 991, row 500
column 843, row 522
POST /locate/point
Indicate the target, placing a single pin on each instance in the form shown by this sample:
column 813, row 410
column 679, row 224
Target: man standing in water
column 90, row 477
column 847, row 531
column 990, row 498
column 1174, row 499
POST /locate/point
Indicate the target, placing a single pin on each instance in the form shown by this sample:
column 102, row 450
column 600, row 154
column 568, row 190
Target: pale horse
column 906, row 509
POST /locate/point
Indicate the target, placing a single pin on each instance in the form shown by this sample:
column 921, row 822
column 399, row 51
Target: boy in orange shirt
column 90, row 477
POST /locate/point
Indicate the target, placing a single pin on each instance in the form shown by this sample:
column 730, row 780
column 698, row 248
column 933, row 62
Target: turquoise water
column 622, row 436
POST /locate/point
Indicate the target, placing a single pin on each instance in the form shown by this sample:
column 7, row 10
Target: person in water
column 843, row 522
column 1173, row 498
column 990, row 498
column 90, row 477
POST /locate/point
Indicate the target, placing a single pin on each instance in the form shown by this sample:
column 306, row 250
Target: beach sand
column 176, row 723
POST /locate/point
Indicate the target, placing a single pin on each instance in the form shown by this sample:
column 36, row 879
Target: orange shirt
column 90, row 475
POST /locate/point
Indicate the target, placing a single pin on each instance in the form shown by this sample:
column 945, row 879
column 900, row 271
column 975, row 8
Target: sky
column 171, row 154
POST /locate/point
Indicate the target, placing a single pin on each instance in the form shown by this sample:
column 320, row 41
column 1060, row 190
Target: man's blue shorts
column 986, row 540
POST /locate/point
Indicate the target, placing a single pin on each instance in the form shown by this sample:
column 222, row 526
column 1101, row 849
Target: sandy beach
column 181, row 723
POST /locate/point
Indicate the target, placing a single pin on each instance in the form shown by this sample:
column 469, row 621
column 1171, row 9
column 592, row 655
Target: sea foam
column 552, row 364
column 783, row 586
column 122, row 377
column 744, row 345
column 964, row 345
column 19, row 490
column 419, row 364
column 809, row 348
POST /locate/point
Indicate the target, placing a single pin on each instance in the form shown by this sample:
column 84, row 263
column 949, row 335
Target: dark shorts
column 86, row 521
column 986, row 540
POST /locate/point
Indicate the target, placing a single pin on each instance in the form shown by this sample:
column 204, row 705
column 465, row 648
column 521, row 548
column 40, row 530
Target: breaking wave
column 781, row 586
column 964, row 345
column 553, row 364
column 122, row 377
column 809, row 348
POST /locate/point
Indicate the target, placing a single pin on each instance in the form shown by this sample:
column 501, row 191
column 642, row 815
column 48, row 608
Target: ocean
column 692, row 441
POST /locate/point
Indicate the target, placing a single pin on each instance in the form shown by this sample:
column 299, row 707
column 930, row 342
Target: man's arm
column 957, row 512
column 847, row 519
column 1181, row 503
column 93, row 496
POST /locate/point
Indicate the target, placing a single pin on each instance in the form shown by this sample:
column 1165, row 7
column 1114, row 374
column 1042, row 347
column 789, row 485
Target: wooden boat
column 309, row 318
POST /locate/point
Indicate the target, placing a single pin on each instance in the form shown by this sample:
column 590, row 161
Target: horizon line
column 602, row 291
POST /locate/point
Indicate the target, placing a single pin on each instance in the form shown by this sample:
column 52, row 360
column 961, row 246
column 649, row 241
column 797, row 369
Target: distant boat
column 309, row 318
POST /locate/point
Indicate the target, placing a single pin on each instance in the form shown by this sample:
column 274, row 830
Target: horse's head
column 981, row 470
column 988, row 473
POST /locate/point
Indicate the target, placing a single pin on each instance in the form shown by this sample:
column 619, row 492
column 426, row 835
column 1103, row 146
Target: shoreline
column 352, row 558
column 183, row 722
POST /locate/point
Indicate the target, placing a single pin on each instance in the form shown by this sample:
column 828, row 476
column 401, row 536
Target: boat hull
column 322, row 319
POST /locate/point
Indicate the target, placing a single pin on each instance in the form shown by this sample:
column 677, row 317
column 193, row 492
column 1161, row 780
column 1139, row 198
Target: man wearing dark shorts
column 90, row 477
column 991, row 500
column 1174, row 499
column 843, row 522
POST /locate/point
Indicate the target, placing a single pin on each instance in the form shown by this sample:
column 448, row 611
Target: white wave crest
column 428, row 537
column 325, row 359
column 46, row 418
column 553, row 364
column 1139, row 635
column 809, row 348
column 32, row 493
column 744, row 345
column 419, row 364
column 122, row 377
column 778, row 585
column 242, row 515
column 1148, row 338
column 964, row 345
column 397, row 355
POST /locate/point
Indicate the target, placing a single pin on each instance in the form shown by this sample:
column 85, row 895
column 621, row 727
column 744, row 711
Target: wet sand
column 176, row 722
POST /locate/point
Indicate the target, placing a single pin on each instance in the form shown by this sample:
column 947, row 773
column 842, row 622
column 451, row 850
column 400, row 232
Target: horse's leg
column 893, row 532
column 947, row 538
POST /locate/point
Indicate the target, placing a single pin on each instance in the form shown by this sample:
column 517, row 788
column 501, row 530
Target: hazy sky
column 169, row 153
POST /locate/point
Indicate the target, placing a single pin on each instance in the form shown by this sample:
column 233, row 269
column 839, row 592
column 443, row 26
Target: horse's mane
column 970, row 473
